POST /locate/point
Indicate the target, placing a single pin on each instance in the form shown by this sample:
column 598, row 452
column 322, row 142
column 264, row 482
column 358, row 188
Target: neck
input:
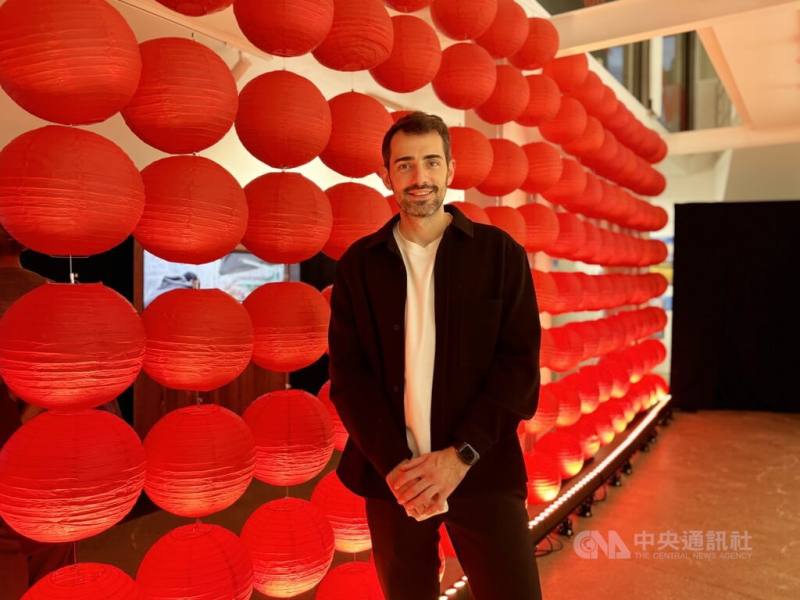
column 423, row 230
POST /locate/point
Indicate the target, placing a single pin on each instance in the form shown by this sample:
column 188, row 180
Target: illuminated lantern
column 290, row 218
column 571, row 236
column 346, row 512
column 199, row 560
column 509, row 168
column 359, row 124
column 603, row 425
column 569, row 404
column 591, row 244
column 356, row 580
column 546, row 412
column 544, row 100
column 590, row 140
column 545, row 167
column 195, row 211
column 570, row 292
column 360, row 38
column 473, row 212
column 565, row 447
column 186, row 99
column 466, row 77
column 196, row 8
column 587, row 435
column 568, row 72
column 67, row 62
column 415, row 57
column 67, row 191
column 66, row 476
column 70, row 346
column 357, row 210
column 546, row 291
column 541, row 226
column 340, row 434
column 463, row 19
column 568, row 124
column 200, row 460
column 509, row 99
column 408, row 6
column 616, row 413
column 509, row 220
column 570, row 185
column 291, row 544
column 183, row 356
column 620, row 374
column 293, row 435
column 473, row 154
column 567, row 350
column 89, row 581
column 508, row 31
column 544, row 477
column 286, row 29
column 283, row 120
column 539, row 47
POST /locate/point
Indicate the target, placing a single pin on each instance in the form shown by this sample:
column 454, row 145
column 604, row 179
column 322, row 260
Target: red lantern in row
column 546, row 292
column 569, row 72
column 565, row 448
column 89, row 581
column 467, row 76
column 508, row 30
column 509, row 220
column 463, row 19
column 473, row 212
column 544, row 477
column 415, row 57
column 539, row 47
column 509, row 168
column 357, row 211
column 568, row 123
column 286, row 29
column 473, row 155
column 545, row 167
column 346, row 512
column 546, row 412
column 544, row 100
column 509, row 98
column 541, row 226
column 361, row 36
column 569, row 186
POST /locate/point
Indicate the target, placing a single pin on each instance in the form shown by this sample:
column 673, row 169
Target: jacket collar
column 384, row 234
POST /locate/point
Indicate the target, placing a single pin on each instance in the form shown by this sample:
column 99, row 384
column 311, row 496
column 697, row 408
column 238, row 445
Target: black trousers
column 490, row 536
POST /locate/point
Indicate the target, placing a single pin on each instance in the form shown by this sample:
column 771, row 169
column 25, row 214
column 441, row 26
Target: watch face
column 467, row 453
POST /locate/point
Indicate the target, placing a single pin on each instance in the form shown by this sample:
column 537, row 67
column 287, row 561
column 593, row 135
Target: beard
column 421, row 207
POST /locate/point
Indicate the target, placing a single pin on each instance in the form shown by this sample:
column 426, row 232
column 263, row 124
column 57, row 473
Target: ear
column 451, row 171
column 384, row 175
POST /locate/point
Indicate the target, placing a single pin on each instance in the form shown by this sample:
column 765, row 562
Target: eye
column 434, row 163
column 403, row 167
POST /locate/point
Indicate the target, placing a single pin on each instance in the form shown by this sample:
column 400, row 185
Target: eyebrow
column 427, row 156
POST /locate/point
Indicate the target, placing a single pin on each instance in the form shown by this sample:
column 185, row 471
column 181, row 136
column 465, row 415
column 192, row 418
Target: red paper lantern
column 543, row 102
column 541, row 226
column 568, row 124
column 197, row 561
column 360, row 38
column 67, row 62
column 473, row 156
column 509, row 220
column 195, row 211
column 570, row 185
column 357, row 210
column 408, row 6
column 590, row 140
column 565, row 447
column 540, row 46
column 587, row 435
column 283, row 120
column 565, row 356
column 466, row 77
column 186, row 99
column 286, row 29
column 509, row 99
column 569, row 72
column 340, row 434
column 546, row 292
column 291, row 543
column 180, row 355
column 571, row 236
column 200, row 460
column 290, row 320
column 463, row 19
column 290, row 218
column 473, row 212
column 70, row 346
column 509, row 168
column 346, row 512
column 293, row 434
column 545, row 167
column 589, row 388
column 353, row 578
column 507, row 32
column 546, row 412
column 544, row 477
column 590, row 202
column 196, row 8
column 570, row 292
column 68, row 191
column 88, row 581
column 359, row 123
column 68, row 476
column 415, row 57
column 590, row 92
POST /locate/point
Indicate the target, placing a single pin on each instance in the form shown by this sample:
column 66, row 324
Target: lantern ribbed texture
column 568, row 124
column 509, row 168
column 570, row 293
column 546, row 291
column 287, row 28
column 200, row 460
column 466, row 77
column 590, row 201
column 355, row 580
column 359, row 123
column 294, row 436
column 408, row 5
column 586, row 432
column 340, row 434
column 415, row 57
column 541, row 226
column 184, row 355
column 544, row 100
column 463, row 19
column 358, row 210
column 565, row 447
column 68, row 191
column 85, row 581
column 508, row 30
column 544, row 477
column 290, row 218
column 283, row 119
column 186, row 99
column 292, row 545
column 197, row 561
column 346, row 512
column 509, row 99
column 196, row 8
column 509, row 220
column 473, row 155
column 546, row 412
column 590, row 140
column 195, row 211
column 361, row 36
column 68, row 476
column 569, row 72
column 570, row 185
column 290, row 321
column 67, row 62
column 545, row 167
column 589, row 388
column 571, row 236
column 473, row 212
column 70, row 346
column 539, row 47
column 566, row 354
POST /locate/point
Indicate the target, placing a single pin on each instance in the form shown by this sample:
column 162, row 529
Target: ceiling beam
column 725, row 138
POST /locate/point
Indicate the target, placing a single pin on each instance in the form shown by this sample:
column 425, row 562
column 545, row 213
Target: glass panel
column 629, row 65
column 674, row 78
column 556, row 7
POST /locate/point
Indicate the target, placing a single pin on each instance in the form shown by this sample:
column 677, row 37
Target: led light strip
column 584, row 481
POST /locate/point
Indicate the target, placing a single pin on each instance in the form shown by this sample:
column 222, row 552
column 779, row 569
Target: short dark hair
column 416, row 123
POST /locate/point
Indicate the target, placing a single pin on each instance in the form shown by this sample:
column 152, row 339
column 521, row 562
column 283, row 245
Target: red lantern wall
column 361, row 36
column 509, row 168
column 568, row 124
column 415, row 57
column 541, row 226
column 565, row 448
column 544, row 100
column 286, row 29
column 540, row 46
column 569, row 72
column 346, row 512
column 466, row 77
column 357, row 210
column 473, row 155
column 545, row 167
column 544, row 477
column 509, row 220
column 88, row 581
column 508, row 30
column 509, row 98
column 473, row 212
column 463, row 19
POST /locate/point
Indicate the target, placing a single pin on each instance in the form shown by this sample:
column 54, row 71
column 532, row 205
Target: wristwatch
column 467, row 454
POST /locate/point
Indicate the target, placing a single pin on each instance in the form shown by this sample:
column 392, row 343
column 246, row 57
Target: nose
column 419, row 176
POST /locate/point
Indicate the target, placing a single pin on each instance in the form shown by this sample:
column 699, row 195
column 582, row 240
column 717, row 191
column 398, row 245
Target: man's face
column 418, row 173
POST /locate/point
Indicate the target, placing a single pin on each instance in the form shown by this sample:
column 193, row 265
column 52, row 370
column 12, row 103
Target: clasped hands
column 423, row 484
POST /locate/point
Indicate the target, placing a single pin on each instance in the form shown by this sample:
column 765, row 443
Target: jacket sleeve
column 511, row 389
column 355, row 389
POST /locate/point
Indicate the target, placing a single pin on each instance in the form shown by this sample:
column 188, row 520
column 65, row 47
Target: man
column 434, row 351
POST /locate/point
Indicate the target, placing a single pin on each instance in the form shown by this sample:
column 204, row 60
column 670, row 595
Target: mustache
column 413, row 188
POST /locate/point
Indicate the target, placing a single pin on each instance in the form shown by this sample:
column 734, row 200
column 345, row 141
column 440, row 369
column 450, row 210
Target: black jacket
column 486, row 365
